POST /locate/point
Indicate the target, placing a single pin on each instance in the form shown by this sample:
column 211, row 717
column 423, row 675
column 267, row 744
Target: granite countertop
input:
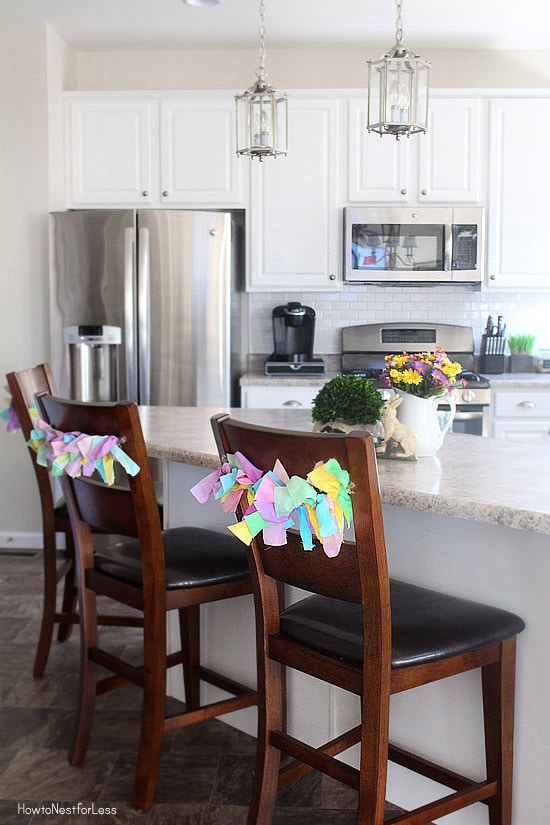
column 534, row 380
column 260, row 379
column 479, row 479
column 506, row 380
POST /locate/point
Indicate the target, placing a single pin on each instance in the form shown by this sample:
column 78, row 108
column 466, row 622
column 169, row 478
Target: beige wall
column 30, row 59
column 300, row 68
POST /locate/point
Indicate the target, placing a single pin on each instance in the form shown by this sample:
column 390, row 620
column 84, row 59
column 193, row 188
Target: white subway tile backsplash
column 523, row 312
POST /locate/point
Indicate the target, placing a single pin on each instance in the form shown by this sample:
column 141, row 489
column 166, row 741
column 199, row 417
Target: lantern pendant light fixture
column 262, row 113
column 398, row 90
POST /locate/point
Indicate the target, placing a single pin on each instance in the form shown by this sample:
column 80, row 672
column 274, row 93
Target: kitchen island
column 474, row 520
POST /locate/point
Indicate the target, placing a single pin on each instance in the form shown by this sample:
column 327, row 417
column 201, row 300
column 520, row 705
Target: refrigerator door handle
column 143, row 317
column 129, row 325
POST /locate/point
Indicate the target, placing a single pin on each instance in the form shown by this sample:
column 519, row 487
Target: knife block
column 491, row 358
column 492, row 364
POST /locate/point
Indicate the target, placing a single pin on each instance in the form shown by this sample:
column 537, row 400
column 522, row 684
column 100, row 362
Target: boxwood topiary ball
column 350, row 398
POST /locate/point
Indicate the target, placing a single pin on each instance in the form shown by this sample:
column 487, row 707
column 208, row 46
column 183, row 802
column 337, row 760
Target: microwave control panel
column 464, row 246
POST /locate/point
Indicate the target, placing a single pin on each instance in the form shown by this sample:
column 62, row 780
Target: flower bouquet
column 423, row 374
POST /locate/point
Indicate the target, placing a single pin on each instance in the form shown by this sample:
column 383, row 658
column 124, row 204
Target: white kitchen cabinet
column 441, row 166
column 519, row 179
column 199, row 164
column 261, row 397
column 522, row 414
column 295, row 226
column 109, row 151
column 139, row 150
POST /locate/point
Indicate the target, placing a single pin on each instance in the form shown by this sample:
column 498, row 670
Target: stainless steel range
column 365, row 346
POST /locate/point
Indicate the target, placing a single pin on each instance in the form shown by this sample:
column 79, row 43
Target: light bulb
column 393, row 100
column 261, row 129
column 404, row 102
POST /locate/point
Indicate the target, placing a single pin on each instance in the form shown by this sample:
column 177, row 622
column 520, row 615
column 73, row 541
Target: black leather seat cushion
column 195, row 557
column 426, row 625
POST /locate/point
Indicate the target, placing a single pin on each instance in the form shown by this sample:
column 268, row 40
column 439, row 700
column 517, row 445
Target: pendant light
column 262, row 113
column 398, row 90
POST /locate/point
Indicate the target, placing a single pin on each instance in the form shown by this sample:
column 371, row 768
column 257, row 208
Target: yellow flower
column 451, row 368
column 395, row 375
column 411, row 377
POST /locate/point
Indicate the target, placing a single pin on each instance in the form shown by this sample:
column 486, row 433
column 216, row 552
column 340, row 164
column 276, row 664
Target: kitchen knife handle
column 129, row 320
column 144, row 303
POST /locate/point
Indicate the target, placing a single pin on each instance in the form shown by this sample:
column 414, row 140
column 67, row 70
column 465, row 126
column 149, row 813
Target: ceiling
column 169, row 24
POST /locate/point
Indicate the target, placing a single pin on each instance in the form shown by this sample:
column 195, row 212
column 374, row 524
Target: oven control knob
column 468, row 396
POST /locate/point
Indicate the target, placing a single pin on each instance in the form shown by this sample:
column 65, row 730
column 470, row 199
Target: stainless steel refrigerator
column 171, row 280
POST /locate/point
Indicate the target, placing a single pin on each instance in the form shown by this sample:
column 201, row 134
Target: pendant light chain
column 261, row 71
column 399, row 24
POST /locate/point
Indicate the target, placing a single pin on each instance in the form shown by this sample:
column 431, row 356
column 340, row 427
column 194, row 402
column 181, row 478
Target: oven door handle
column 468, row 415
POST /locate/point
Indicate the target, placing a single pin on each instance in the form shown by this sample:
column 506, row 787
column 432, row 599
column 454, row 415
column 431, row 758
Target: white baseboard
column 21, row 541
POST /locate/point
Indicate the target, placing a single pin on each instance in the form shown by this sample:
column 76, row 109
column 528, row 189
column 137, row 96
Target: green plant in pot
column 521, row 352
column 346, row 403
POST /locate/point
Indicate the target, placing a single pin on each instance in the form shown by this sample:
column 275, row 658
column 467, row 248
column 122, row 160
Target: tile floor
column 206, row 770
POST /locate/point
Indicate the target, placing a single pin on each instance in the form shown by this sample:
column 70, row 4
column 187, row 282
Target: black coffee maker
column 293, row 337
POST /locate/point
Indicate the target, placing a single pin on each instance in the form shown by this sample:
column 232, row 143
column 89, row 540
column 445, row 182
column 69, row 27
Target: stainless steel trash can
column 93, row 361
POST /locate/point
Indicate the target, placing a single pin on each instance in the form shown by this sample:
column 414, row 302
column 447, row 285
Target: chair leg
column 49, row 603
column 375, row 711
column 498, row 682
column 68, row 605
column 153, row 712
column 189, row 619
column 271, row 716
column 88, row 679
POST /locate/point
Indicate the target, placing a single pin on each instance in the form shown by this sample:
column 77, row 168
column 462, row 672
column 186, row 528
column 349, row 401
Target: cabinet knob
column 145, row 193
column 403, row 191
column 424, row 191
column 165, row 193
column 292, row 403
column 493, row 277
column 332, row 277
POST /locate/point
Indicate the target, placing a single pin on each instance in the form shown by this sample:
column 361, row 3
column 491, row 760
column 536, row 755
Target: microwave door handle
column 144, row 274
column 129, row 324
column 448, row 252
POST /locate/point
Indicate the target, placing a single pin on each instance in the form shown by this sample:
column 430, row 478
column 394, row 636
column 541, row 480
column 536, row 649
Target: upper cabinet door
column 197, row 150
column 441, row 166
column 294, row 222
column 519, row 178
column 449, row 154
column 378, row 166
column 110, row 151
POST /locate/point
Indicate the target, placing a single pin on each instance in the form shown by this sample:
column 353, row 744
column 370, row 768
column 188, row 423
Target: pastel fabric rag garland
column 319, row 505
column 78, row 454
column 10, row 416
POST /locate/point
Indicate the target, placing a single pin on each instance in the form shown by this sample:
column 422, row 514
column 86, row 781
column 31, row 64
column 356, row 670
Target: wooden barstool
column 152, row 570
column 369, row 635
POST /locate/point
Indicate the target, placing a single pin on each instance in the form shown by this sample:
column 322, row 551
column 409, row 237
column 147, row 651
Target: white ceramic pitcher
column 429, row 424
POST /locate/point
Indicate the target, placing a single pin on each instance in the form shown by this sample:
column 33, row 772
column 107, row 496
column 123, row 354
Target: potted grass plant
column 346, row 403
column 521, row 352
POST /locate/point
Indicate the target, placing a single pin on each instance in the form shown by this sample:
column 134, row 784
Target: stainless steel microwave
column 414, row 245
